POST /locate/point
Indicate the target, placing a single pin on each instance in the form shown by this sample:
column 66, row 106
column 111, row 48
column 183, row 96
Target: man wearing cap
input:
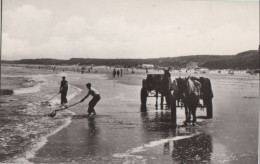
column 63, row 91
column 96, row 97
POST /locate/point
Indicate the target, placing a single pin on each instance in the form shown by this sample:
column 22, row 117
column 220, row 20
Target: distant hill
column 243, row 60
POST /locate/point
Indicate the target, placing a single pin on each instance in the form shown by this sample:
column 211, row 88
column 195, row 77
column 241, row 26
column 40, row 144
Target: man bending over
column 96, row 97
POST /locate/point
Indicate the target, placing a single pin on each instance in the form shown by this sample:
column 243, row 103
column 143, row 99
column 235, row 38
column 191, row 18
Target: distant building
column 231, row 72
column 201, row 70
column 151, row 66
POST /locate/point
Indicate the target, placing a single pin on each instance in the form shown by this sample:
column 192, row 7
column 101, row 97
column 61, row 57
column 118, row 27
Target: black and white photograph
column 129, row 81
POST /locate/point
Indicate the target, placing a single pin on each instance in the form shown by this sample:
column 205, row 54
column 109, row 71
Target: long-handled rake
column 53, row 114
column 47, row 102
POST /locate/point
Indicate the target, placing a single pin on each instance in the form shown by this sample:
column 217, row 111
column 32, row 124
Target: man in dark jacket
column 63, row 90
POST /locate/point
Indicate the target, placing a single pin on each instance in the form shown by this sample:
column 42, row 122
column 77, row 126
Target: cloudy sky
column 64, row 29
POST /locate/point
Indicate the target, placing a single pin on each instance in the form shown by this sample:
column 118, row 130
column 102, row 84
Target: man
column 114, row 73
column 96, row 97
column 121, row 72
column 63, row 90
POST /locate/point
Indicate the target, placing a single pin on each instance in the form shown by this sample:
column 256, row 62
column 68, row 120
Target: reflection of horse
column 189, row 92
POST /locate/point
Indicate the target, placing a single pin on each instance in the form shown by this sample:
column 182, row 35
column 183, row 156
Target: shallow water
column 24, row 122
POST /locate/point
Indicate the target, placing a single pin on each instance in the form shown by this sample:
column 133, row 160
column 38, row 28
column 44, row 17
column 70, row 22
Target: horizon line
column 122, row 58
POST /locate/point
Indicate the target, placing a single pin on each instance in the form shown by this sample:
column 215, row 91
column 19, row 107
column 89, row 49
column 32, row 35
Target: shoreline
column 33, row 88
column 44, row 139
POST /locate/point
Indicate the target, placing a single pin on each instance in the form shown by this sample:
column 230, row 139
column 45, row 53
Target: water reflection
column 92, row 138
column 197, row 148
column 156, row 123
column 92, row 126
column 87, row 135
column 143, row 109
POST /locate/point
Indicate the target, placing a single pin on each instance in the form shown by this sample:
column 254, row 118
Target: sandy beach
column 124, row 132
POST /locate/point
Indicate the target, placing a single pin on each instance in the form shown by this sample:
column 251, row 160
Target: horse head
column 182, row 87
column 167, row 74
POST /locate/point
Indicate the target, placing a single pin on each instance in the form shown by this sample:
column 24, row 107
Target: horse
column 189, row 93
column 166, row 83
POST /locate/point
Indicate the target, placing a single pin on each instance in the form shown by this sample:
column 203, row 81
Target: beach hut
column 231, row 72
column 201, row 70
column 148, row 66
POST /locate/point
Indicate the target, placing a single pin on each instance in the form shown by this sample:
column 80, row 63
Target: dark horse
column 189, row 93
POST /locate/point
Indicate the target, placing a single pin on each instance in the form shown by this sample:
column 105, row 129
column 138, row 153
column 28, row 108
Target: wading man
column 96, row 97
column 63, row 91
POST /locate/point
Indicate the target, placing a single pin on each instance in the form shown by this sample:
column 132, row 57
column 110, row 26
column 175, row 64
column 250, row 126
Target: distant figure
column 82, row 70
column 118, row 73
column 63, row 91
column 133, row 71
column 146, row 70
column 54, row 69
column 114, row 73
column 92, row 103
column 121, row 72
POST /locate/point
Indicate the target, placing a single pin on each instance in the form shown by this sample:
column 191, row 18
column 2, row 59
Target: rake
column 53, row 114
column 46, row 102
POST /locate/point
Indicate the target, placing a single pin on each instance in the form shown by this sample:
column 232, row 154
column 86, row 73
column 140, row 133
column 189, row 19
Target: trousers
column 92, row 103
column 64, row 97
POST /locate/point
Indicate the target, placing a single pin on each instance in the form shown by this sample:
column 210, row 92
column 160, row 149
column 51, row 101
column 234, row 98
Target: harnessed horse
column 189, row 93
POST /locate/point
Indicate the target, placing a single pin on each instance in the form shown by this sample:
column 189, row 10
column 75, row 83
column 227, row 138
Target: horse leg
column 156, row 95
column 162, row 100
column 168, row 99
column 187, row 113
column 194, row 108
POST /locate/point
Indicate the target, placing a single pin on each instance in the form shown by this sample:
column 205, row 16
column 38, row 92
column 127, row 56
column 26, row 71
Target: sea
column 24, row 123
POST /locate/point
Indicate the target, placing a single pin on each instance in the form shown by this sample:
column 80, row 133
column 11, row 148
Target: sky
column 64, row 29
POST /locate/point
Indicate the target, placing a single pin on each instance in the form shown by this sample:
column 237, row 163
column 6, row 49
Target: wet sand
column 124, row 132
column 121, row 126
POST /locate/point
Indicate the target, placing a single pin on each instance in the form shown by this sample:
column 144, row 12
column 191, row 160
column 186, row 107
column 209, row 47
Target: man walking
column 96, row 97
column 121, row 72
column 114, row 73
column 63, row 90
